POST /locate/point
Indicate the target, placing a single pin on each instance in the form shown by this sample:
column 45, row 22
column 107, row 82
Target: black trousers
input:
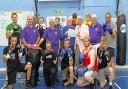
column 49, row 76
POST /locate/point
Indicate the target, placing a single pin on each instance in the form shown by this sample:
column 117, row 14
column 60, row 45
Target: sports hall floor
column 121, row 79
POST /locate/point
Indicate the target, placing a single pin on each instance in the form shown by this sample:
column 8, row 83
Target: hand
column 28, row 45
column 8, row 56
column 35, row 45
column 107, row 27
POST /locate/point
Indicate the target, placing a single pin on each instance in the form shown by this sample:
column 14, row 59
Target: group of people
column 85, row 55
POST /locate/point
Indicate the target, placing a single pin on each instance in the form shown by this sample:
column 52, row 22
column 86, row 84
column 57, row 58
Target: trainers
column 110, row 87
column 5, row 85
column 20, row 81
column 28, row 86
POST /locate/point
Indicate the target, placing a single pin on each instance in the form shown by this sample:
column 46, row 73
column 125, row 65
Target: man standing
column 12, row 56
column 96, row 32
column 30, row 37
column 110, row 29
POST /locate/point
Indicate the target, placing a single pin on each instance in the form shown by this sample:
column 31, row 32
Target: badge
column 55, row 33
column 96, row 29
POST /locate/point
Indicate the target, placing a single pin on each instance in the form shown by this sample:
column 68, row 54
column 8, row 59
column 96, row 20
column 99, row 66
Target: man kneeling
column 105, row 56
column 67, row 63
column 12, row 55
column 88, row 71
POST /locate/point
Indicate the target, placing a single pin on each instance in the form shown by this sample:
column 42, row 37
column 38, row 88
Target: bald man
column 52, row 34
column 30, row 37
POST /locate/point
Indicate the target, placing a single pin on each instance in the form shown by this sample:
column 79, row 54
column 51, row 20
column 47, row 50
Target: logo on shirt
column 96, row 29
column 49, row 56
column 55, row 33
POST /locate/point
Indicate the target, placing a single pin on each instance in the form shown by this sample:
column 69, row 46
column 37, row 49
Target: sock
column 27, row 81
column 110, row 83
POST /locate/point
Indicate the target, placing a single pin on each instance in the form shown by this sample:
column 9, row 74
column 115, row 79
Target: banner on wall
column 63, row 20
column 5, row 19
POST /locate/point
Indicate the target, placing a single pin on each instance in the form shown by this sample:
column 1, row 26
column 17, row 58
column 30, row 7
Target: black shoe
column 110, row 87
column 28, row 86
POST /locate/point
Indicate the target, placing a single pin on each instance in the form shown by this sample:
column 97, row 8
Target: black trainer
column 28, row 86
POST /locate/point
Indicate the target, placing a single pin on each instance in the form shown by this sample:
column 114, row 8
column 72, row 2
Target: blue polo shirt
column 96, row 33
column 72, row 39
column 53, row 36
column 30, row 35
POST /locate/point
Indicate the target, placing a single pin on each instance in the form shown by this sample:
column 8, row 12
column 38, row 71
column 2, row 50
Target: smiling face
column 13, row 41
column 30, row 20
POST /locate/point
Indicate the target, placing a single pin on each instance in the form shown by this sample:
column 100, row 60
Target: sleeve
column 5, row 51
column 114, row 27
column 54, row 56
column 102, row 33
column 8, row 28
column 45, row 34
column 20, row 28
column 112, row 52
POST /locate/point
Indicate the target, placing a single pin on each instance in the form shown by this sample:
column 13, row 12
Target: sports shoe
column 5, row 85
column 20, row 81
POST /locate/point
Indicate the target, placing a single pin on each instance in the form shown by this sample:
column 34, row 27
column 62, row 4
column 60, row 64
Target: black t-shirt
column 105, row 56
column 48, row 58
column 13, row 62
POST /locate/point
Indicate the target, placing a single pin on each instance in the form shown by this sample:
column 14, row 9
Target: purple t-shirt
column 53, row 36
column 30, row 34
column 96, row 33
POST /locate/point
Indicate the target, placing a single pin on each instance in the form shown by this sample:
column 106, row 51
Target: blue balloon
column 81, row 57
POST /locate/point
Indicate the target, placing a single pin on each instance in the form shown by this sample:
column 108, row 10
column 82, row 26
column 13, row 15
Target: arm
column 114, row 28
column 41, row 40
column 5, row 56
column 25, row 43
column 54, row 58
column 92, row 56
column 8, row 32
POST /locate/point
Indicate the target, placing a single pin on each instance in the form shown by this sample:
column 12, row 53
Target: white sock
column 110, row 83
